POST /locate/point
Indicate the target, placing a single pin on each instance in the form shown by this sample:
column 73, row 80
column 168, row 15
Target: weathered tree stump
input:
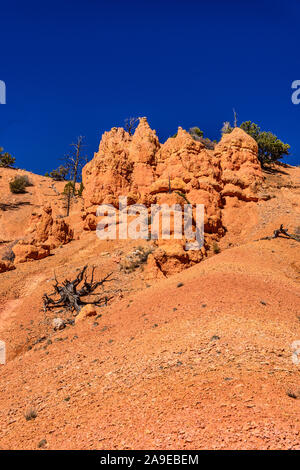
column 70, row 295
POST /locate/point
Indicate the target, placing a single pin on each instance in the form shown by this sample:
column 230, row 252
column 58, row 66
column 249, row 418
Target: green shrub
column 26, row 180
column 18, row 185
column 270, row 148
column 6, row 160
column 195, row 132
column 69, row 188
column 198, row 135
column 59, row 174
column 80, row 190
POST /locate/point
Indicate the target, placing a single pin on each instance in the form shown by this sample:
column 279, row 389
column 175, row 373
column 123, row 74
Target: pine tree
column 6, row 160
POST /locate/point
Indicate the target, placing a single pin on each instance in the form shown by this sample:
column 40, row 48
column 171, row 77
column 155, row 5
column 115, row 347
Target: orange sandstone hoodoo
column 179, row 171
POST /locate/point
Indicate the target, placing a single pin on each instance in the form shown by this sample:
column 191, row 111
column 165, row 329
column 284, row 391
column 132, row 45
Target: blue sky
column 81, row 67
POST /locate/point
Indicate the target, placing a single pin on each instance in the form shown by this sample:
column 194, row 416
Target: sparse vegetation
column 60, row 174
column 270, row 148
column 42, row 443
column 135, row 259
column 80, row 190
column 26, row 180
column 75, row 160
column 30, row 414
column 69, row 187
column 198, row 135
column 6, row 160
column 68, row 194
column 19, row 183
column 73, row 163
column 130, row 125
column 226, row 128
column 216, row 248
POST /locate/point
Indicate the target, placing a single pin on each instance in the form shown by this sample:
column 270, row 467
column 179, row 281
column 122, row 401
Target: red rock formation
column 241, row 171
column 26, row 251
column 146, row 172
column 143, row 151
column 195, row 172
column 123, row 165
column 45, row 229
column 108, row 175
column 44, row 233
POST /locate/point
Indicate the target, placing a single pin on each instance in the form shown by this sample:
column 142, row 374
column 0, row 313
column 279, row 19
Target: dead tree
column 282, row 231
column 234, row 118
column 75, row 161
column 130, row 125
column 279, row 233
column 69, row 293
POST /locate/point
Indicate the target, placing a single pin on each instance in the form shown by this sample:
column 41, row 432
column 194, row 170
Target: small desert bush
column 19, row 183
column 80, row 190
column 216, row 248
column 30, row 414
column 69, row 188
column 6, row 160
column 135, row 259
column 26, row 180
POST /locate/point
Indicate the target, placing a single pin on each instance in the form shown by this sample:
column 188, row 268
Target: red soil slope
column 206, row 364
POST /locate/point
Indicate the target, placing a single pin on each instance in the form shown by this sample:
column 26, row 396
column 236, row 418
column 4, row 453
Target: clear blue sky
column 81, row 67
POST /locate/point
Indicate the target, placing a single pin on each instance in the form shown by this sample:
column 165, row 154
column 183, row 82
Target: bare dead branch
column 282, row 233
column 68, row 295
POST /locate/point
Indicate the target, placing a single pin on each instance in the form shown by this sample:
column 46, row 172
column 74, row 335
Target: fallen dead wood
column 70, row 294
column 283, row 233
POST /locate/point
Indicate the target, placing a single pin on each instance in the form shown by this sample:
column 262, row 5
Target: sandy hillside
column 198, row 359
